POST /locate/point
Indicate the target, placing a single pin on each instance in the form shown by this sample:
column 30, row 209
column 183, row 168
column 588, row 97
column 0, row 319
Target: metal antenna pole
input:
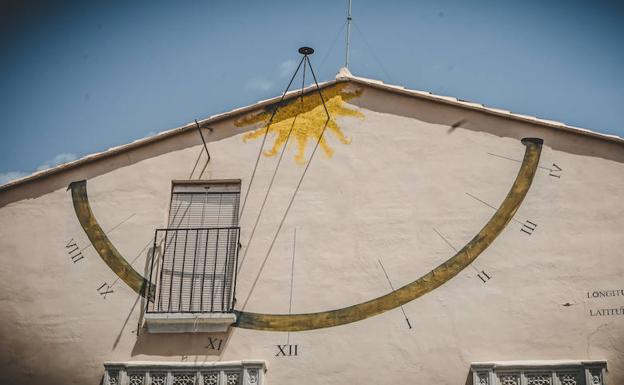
column 348, row 34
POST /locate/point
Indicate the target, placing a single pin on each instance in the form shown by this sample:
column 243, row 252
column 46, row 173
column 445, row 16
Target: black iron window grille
column 196, row 257
column 196, row 270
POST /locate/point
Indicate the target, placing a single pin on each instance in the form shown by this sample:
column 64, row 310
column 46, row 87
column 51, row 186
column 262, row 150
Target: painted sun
column 307, row 117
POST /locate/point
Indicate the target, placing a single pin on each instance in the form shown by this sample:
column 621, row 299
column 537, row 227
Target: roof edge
column 345, row 75
column 160, row 136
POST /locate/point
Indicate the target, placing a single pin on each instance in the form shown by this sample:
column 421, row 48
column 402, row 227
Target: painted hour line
column 483, row 276
column 292, row 280
column 554, row 170
column 135, row 259
column 409, row 325
column 527, row 227
column 110, row 230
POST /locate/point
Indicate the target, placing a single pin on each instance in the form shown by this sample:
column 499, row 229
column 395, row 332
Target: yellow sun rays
column 308, row 116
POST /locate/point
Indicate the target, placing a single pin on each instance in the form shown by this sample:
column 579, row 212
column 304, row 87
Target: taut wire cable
column 331, row 47
column 279, row 104
column 292, row 198
column 370, row 49
column 266, row 195
column 292, row 279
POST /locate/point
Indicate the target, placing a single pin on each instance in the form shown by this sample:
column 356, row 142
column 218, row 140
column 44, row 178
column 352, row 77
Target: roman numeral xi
column 214, row 343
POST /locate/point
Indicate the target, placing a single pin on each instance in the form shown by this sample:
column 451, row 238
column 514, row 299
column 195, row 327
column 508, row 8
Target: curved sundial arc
column 308, row 321
column 104, row 247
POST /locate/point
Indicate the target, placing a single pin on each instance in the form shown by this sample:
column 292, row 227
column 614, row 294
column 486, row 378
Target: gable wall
column 377, row 198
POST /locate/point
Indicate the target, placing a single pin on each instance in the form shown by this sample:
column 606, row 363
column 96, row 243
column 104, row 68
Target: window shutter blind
column 204, row 205
column 200, row 248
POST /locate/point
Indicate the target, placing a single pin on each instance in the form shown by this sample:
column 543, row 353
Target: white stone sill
column 537, row 363
column 177, row 364
column 189, row 322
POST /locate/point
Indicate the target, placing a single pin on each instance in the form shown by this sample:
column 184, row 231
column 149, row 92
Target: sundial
column 297, row 322
column 303, row 120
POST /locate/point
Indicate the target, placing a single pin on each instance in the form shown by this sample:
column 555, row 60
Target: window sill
column 189, row 322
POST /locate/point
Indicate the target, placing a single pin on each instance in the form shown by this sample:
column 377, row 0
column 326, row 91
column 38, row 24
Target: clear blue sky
column 80, row 77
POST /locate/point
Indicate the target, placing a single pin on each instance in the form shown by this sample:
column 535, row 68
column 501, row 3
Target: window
column 204, row 204
column 176, row 373
column 196, row 255
column 540, row 373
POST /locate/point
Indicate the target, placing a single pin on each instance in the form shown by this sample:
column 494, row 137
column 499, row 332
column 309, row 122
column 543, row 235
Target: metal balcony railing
column 194, row 270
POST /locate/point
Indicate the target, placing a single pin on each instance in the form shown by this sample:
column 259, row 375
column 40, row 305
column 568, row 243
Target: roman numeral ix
column 104, row 290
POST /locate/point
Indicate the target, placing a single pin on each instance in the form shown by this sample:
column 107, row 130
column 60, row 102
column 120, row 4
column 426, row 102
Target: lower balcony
column 248, row 372
column 560, row 372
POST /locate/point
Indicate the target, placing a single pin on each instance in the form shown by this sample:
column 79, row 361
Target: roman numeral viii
column 74, row 251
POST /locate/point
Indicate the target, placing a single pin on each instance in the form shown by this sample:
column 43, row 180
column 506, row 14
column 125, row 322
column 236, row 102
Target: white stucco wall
column 379, row 197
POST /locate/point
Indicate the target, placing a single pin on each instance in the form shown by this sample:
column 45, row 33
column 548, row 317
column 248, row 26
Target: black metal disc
column 306, row 51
